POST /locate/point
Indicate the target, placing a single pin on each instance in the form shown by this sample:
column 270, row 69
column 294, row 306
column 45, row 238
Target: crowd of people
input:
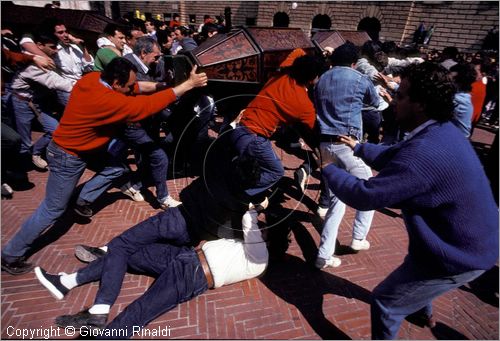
column 407, row 115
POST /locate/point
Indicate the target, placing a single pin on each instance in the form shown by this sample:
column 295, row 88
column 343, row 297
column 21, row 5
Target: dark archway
column 372, row 26
column 321, row 22
column 281, row 19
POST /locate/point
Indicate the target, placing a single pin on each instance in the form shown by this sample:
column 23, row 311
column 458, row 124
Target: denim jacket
column 339, row 97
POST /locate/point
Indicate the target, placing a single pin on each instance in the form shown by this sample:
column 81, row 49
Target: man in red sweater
column 283, row 100
column 98, row 102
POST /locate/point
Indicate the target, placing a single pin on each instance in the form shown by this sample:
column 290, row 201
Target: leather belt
column 335, row 139
column 21, row 97
column 206, row 268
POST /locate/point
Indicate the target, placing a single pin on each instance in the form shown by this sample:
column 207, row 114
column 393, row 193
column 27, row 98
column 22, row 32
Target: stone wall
column 460, row 23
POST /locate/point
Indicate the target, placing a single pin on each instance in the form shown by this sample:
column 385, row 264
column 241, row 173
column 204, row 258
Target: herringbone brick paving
column 291, row 301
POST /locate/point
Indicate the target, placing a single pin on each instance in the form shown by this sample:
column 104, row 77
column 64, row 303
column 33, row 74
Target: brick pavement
column 291, row 301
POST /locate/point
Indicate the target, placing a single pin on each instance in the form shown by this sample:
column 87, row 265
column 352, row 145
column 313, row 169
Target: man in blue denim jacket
column 340, row 95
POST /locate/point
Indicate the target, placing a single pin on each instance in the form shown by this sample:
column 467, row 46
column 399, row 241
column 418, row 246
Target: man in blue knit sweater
column 436, row 179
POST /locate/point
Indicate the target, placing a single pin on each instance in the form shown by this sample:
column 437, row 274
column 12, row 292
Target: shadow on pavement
column 296, row 282
column 442, row 332
column 485, row 287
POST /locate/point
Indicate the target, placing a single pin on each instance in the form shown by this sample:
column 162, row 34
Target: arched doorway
column 281, row 19
column 321, row 22
column 372, row 26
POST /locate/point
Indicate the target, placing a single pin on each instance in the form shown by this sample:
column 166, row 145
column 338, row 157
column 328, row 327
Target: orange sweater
column 281, row 100
column 94, row 109
column 478, row 94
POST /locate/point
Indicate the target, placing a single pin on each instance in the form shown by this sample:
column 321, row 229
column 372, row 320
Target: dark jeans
column 408, row 290
column 179, row 278
column 371, row 125
column 11, row 144
column 167, row 227
column 113, row 172
column 65, row 171
column 260, row 148
column 151, row 156
column 155, row 247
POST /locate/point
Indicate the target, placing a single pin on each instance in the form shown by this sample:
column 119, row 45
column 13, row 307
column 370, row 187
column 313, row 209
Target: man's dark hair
column 450, row 52
column 369, row 49
column 145, row 44
column 156, row 23
column 466, row 75
column 138, row 24
column 47, row 26
column 185, row 31
column 162, row 36
column 128, row 32
column 430, row 85
column 44, row 38
column 118, row 69
column 210, row 27
column 304, row 69
column 110, row 29
column 345, row 55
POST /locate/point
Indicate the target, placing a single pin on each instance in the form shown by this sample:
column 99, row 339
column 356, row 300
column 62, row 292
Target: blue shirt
column 339, row 97
column 462, row 115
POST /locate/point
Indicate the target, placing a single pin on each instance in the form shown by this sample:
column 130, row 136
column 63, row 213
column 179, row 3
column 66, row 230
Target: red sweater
column 94, row 110
column 478, row 94
column 281, row 100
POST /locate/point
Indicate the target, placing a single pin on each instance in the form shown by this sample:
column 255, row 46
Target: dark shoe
column 422, row 320
column 17, row 267
column 430, row 321
column 82, row 319
column 88, row 254
column 300, row 177
column 52, row 283
column 84, row 210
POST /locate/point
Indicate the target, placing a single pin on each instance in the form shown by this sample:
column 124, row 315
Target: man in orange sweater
column 98, row 102
column 283, row 100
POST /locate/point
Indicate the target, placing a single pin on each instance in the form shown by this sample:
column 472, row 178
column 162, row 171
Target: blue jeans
column 408, row 290
column 24, row 116
column 179, row 278
column 260, row 148
column 65, row 171
column 63, row 97
column 165, row 227
column 151, row 157
column 114, row 168
column 363, row 219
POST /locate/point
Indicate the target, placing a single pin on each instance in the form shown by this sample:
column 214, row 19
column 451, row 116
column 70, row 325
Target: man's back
column 339, row 98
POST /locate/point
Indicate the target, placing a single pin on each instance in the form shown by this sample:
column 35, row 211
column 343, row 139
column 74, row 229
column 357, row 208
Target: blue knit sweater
column 440, row 185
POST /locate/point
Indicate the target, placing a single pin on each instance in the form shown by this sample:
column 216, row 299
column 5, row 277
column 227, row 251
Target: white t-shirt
column 235, row 260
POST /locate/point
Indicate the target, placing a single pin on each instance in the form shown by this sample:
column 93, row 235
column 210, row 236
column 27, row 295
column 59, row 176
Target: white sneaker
column 358, row 245
column 130, row 191
column 321, row 211
column 169, row 202
column 332, row 262
column 39, row 162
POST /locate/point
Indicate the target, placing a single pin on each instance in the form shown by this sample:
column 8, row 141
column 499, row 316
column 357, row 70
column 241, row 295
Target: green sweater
column 103, row 57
